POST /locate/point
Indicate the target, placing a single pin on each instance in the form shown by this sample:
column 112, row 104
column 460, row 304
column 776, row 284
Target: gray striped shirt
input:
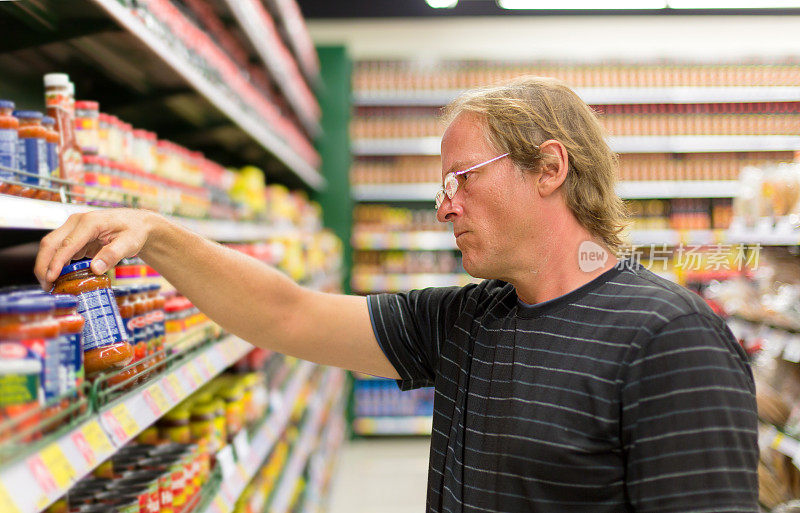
column 627, row 394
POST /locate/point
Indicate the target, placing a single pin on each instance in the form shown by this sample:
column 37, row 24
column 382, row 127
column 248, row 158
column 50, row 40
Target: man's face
column 492, row 211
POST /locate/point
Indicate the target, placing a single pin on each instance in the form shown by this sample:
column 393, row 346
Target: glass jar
column 86, row 126
column 174, row 426
column 33, row 154
column 29, row 320
column 9, row 147
column 105, row 343
column 51, row 147
column 70, row 342
column 92, row 170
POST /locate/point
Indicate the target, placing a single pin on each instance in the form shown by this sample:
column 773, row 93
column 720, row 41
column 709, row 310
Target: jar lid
column 47, row 120
column 27, row 304
column 80, row 265
column 28, row 114
column 121, row 290
column 56, row 79
column 153, row 287
column 65, row 301
column 7, row 104
column 87, row 105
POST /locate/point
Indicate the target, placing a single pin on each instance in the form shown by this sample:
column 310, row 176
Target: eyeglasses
column 451, row 182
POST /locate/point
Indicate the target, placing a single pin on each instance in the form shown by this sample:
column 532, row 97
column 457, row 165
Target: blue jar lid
column 76, row 266
column 7, row 104
column 65, row 301
column 135, row 288
column 153, row 287
column 121, row 290
column 28, row 114
column 47, row 120
column 27, row 304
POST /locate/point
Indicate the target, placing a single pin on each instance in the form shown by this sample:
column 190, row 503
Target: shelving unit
column 650, row 189
column 601, row 96
column 47, row 473
column 619, row 144
column 421, row 425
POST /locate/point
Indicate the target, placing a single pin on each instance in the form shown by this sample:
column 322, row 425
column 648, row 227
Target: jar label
column 8, row 153
column 20, row 374
column 103, row 322
column 35, row 162
column 71, row 360
column 52, row 160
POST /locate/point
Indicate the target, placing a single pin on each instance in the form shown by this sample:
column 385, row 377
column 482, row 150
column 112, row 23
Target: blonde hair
column 527, row 111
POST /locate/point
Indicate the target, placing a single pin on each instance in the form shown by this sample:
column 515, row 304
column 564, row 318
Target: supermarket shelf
column 703, row 143
column 25, row 213
column 251, row 124
column 433, row 240
column 298, row 38
column 422, row 425
column 251, row 455
column 393, row 282
column 40, row 478
column 620, row 144
column 262, row 33
column 669, row 237
column 280, row 501
column 427, row 240
column 651, row 189
column 783, row 232
column 601, row 96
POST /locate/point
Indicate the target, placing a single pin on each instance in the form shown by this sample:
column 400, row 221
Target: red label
column 113, row 424
column 42, row 475
column 83, row 447
column 148, row 398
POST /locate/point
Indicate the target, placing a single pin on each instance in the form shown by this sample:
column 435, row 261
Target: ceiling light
column 589, row 5
column 733, row 4
column 442, row 4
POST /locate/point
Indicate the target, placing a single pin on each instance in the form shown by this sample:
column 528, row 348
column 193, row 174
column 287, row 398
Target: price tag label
column 159, row 398
column 242, row 445
column 169, row 388
column 151, row 403
column 198, row 379
column 6, row 504
column 205, row 367
column 42, row 476
column 59, row 466
column 187, row 377
column 129, row 426
column 97, row 439
column 113, row 426
column 219, row 505
column 174, row 384
column 226, row 462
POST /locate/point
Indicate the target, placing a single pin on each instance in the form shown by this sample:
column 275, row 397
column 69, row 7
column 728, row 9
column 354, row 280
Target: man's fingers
column 84, row 231
column 48, row 247
column 110, row 254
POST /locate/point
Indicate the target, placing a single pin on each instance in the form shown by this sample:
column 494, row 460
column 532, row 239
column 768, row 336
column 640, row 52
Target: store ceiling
column 326, row 9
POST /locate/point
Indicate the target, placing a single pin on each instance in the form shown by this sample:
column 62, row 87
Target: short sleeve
column 689, row 424
column 410, row 328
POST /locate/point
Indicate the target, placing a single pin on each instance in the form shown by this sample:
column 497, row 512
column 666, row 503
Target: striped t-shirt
column 626, row 394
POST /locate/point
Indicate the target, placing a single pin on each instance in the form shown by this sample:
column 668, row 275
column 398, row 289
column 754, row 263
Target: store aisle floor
column 381, row 475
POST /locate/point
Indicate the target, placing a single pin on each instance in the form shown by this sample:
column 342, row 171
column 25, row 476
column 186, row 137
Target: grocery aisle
column 386, row 475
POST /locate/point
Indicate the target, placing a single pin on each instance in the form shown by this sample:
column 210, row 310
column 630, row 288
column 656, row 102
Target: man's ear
column 554, row 167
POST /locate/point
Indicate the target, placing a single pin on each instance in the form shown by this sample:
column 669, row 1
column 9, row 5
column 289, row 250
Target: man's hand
column 107, row 236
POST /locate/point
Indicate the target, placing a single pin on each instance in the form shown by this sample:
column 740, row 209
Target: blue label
column 35, row 162
column 103, row 322
column 71, row 360
column 9, row 153
column 50, row 370
column 52, row 159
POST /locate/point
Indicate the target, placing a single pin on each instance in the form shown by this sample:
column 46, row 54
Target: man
column 566, row 381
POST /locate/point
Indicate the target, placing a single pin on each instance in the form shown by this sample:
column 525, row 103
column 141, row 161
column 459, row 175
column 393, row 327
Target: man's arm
column 245, row 297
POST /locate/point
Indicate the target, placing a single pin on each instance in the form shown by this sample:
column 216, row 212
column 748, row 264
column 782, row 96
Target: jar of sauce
column 174, row 426
column 9, row 147
column 28, row 319
column 86, row 126
column 122, row 295
column 51, row 146
column 33, row 154
column 70, row 341
column 105, row 342
column 140, row 328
